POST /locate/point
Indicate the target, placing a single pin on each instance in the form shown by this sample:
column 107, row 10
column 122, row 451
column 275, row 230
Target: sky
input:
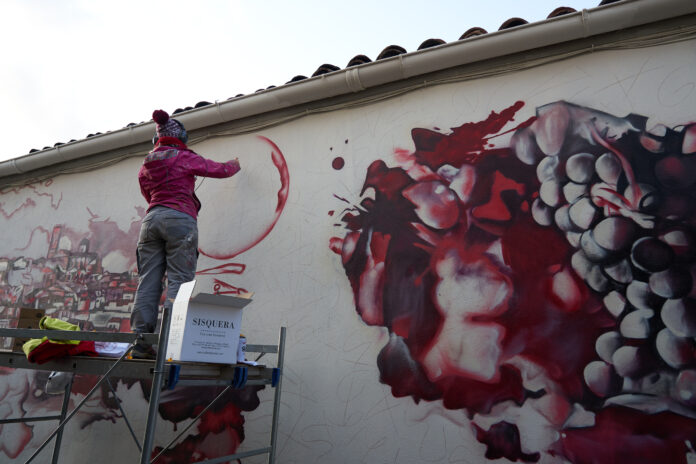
column 76, row 67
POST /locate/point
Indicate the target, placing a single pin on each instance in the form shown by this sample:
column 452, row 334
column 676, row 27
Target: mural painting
column 545, row 288
column 516, row 285
column 90, row 278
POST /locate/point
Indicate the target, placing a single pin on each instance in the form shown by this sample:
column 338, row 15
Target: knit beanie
column 167, row 127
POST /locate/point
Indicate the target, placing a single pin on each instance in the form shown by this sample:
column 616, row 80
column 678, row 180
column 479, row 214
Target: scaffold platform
column 164, row 374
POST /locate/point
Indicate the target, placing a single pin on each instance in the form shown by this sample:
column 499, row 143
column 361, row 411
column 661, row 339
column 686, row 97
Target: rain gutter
column 575, row 26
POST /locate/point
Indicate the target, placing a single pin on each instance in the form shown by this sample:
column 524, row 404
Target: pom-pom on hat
column 167, row 127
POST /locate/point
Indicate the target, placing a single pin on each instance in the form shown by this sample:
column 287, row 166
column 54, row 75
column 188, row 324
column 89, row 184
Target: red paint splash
column 467, row 143
column 282, row 166
column 338, row 163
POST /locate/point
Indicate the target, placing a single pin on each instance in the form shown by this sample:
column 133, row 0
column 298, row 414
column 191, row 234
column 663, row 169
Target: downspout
column 575, row 26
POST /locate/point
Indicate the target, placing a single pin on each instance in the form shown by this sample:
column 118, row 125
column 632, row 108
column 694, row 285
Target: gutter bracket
column 60, row 155
column 217, row 105
column 353, row 80
column 14, row 165
column 584, row 19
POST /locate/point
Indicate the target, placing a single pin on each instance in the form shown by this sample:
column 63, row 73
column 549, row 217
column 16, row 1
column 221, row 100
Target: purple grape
column 542, row 213
column 562, row 219
column 573, row 191
column 676, row 207
column 675, row 351
column 620, row 272
column 682, row 242
column 550, row 193
column 606, row 344
column 582, row 213
column 608, row 168
column 639, row 295
column 636, row 324
column 615, row 233
column 549, row 168
column 676, row 172
column 592, row 250
column 671, row 283
column 601, row 379
column 580, row 264
column 615, row 303
column 573, row 238
column 653, row 140
column 651, row 254
column 596, row 280
column 525, row 147
column 580, row 168
column 631, row 361
column 679, row 316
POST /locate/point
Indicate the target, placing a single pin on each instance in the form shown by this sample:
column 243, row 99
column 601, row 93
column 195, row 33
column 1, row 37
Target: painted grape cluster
column 624, row 199
column 551, row 276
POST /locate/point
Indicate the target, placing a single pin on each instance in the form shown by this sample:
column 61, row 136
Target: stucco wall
column 450, row 318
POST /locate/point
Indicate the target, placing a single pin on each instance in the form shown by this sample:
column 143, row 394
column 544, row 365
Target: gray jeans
column 168, row 242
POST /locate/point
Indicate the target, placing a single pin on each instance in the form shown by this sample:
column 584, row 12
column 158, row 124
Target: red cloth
column 47, row 351
column 168, row 175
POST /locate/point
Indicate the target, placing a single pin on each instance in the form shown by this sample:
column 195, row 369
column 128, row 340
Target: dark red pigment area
column 625, row 435
column 473, row 395
column 539, row 326
column 405, row 292
column 467, row 143
column 223, row 420
column 502, row 440
column 338, row 163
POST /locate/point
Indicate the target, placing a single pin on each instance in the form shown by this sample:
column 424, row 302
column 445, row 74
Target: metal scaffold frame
column 164, row 374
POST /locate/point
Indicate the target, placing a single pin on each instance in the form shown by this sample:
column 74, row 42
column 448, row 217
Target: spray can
column 241, row 349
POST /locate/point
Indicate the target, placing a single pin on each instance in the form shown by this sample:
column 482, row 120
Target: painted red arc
column 282, row 166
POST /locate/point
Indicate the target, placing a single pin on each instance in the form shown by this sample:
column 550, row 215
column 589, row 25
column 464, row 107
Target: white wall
column 334, row 408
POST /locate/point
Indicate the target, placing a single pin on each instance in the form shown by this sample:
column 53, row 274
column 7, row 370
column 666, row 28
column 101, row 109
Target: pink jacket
column 168, row 175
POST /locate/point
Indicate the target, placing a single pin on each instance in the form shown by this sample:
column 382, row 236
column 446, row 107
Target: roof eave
column 575, row 26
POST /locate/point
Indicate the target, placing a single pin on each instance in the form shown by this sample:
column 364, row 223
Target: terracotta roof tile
column 387, row 52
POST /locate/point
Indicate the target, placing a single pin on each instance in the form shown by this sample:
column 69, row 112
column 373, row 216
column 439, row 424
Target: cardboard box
column 29, row 318
column 205, row 327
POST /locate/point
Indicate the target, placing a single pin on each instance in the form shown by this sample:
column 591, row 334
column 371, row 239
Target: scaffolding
column 164, row 374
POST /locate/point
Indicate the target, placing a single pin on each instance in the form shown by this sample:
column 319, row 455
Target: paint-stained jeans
column 168, row 242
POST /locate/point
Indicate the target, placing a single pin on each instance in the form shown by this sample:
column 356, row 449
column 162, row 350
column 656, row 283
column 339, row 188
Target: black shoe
column 141, row 351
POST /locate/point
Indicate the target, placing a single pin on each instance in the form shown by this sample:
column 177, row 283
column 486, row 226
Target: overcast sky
column 75, row 67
